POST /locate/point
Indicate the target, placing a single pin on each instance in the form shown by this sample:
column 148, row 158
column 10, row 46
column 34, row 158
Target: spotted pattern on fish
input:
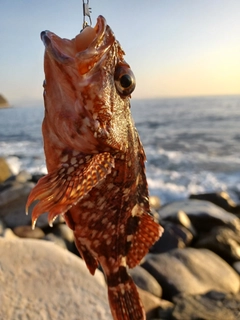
column 95, row 160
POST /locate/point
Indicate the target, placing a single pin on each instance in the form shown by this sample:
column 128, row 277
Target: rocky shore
column 192, row 272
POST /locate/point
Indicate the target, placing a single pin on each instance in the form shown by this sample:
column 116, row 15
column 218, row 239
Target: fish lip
column 63, row 51
column 49, row 40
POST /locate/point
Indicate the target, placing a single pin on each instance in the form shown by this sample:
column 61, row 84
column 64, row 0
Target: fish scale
column 95, row 160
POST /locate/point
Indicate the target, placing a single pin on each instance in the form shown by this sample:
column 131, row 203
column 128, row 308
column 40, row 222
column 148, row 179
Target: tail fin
column 123, row 297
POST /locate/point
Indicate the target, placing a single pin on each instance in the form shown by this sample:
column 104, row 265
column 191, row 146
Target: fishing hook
column 86, row 13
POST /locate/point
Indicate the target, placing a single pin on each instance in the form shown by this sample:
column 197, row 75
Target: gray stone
column 56, row 239
column 9, row 234
column 2, row 227
column 191, row 271
column 28, row 232
column 153, row 305
column 23, row 176
column 174, row 236
column 236, row 266
column 223, row 241
column 165, row 310
column 63, row 231
column 210, row 306
column 204, row 215
column 12, row 205
column 182, row 219
column 36, row 177
column 40, row 281
column 145, row 281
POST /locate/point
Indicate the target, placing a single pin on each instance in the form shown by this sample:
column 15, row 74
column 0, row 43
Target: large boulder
column 191, row 271
column 39, row 280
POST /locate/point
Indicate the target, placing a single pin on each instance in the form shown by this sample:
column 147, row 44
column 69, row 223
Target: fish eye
column 124, row 80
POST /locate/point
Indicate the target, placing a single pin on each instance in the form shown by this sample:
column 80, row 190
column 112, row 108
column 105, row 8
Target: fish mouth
column 89, row 42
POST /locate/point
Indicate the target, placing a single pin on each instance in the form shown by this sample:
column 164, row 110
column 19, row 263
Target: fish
column 95, row 160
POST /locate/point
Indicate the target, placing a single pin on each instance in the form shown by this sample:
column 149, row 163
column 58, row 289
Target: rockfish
column 95, row 160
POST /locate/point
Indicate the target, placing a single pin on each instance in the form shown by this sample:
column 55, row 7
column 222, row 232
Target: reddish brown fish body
column 95, row 160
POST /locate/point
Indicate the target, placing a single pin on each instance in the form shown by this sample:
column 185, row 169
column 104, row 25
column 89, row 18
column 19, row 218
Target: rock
column 174, row 236
column 204, row 215
column 5, row 171
column 154, row 202
column 55, row 239
column 12, row 205
column 2, row 228
column 181, row 218
column 223, row 241
column 165, row 310
column 9, row 234
column 145, row 281
column 210, row 306
column 153, row 305
column 191, row 271
column 221, row 199
column 236, row 266
column 28, row 232
column 41, row 281
column 155, row 215
column 64, row 232
column 23, row 177
column 36, row 177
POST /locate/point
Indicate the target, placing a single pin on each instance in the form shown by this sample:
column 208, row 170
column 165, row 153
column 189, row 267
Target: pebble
column 28, row 232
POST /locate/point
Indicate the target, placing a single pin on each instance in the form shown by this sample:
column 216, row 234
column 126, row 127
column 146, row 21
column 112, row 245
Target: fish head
column 87, row 91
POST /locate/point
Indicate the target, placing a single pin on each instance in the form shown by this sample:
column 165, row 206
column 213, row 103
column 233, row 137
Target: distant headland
column 3, row 102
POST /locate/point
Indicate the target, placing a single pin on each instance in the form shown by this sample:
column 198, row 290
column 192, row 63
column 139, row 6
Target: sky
column 174, row 47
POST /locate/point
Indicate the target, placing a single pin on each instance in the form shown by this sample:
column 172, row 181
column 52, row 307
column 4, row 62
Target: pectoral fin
column 59, row 190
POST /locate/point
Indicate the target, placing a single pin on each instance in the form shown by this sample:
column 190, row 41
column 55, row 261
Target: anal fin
column 90, row 261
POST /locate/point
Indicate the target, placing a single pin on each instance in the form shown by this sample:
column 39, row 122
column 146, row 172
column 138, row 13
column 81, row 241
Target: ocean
column 192, row 144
